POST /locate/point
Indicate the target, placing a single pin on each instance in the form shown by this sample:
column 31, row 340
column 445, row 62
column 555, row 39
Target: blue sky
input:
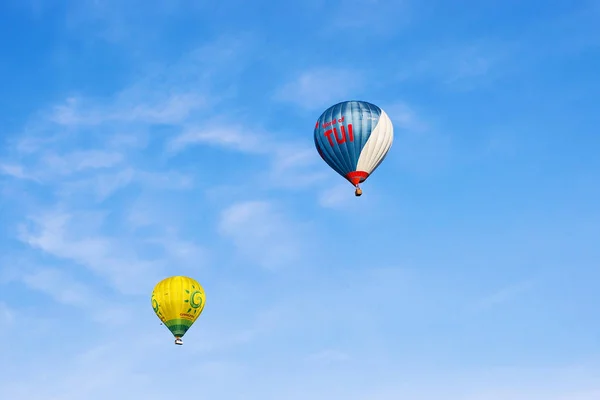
column 141, row 139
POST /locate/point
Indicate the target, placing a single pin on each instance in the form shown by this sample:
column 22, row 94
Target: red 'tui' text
column 341, row 136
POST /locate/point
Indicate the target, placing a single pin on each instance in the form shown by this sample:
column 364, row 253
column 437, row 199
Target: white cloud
column 319, row 88
column 337, row 196
column 504, row 295
column 81, row 160
column 226, row 136
column 93, row 373
column 219, row 335
column 371, row 17
column 108, row 153
column 104, row 185
column 292, row 163
column 64, row 289
column 172, row 110
column 6, row 315
column 60, row 286
column 329, row 356
column 461, row 390
column 262, row 232
column 297, row 167
column 77, row 237
column 461, row 66
column 405, row 118
column 15, row 171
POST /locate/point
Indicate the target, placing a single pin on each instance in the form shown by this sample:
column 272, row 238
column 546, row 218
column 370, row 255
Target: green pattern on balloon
column 194, row 304
column 178, row 327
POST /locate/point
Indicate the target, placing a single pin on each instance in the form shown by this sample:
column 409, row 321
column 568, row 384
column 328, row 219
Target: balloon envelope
column 353, row 138
column 178, row 301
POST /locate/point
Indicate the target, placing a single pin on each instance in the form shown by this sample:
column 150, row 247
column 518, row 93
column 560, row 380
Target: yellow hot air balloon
column 178, row 301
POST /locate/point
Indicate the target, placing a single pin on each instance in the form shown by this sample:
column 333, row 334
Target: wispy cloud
column 504, row 295
column 263, row 233
column 462, row 66
column 336, row 196
column 420, row 144
column 6, row 315
column 64, row 289
column 104, row 137
column 59, row 285
column 405, row 118
column 328, row 356
column 291, row 162
column 15, row 171
column 81, row 160
column 221, row 135
column 78, row 237
column 174, row 109
column 318, row 88
column 373, row 17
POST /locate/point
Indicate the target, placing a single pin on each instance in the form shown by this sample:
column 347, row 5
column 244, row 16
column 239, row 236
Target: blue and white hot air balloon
column 353, row 137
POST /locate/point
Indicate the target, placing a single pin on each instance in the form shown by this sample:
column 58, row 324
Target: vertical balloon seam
column 356, row 132
column 363, row 161
column 328, row 151
column 337, row 151
column 167, row 285
column 373, row 136
column 389, row 140
column 382, row 141
column 364, row 129
column 350, row 113
column 358, row 125
column 351, row 145
column 328, row 154
column 346, row 143
column 320, row 148
column 372, row 131
column 377, row 135
column 353, row 106
column 165, row 305
column 381, row 144
column 341, row 158
column 176, row 285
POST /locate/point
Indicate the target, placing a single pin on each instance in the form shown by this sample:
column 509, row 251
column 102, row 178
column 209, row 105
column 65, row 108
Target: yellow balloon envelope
column 178, row 301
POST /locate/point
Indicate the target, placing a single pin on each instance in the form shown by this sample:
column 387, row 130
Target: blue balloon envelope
column 353, row 138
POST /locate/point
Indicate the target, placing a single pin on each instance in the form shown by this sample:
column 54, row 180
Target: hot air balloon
column 353, row 138
column 178, row 301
